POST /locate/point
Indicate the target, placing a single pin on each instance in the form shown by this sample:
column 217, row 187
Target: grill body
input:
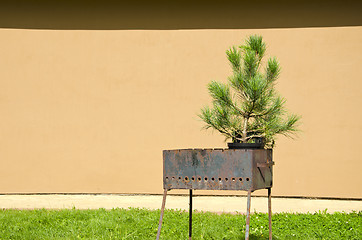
column 218, row 169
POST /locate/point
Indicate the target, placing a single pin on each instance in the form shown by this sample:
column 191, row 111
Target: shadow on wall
column 199, row 14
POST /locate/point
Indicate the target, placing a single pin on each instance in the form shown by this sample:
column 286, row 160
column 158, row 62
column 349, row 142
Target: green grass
column 142, row 224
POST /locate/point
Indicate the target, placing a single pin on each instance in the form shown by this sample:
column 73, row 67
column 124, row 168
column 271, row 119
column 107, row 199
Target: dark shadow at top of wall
column 197, row 14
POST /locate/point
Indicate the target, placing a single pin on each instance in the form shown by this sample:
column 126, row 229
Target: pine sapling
column 248, row 106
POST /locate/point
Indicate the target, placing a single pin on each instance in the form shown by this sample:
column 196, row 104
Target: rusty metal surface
column 217, row 169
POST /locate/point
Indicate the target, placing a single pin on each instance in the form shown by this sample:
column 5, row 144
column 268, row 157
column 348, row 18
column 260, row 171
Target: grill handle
column 265, row 165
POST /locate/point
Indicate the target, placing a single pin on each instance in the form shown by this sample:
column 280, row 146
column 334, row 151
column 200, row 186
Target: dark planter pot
column 257, row 143
column 245, row 145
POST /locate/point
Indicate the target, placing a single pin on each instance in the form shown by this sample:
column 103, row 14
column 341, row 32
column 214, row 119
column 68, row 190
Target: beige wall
column 90, row 111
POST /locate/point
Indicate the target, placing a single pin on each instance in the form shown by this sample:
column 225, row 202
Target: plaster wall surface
column 90, row 111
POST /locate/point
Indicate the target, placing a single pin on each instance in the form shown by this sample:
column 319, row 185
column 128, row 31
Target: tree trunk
column 245, row 130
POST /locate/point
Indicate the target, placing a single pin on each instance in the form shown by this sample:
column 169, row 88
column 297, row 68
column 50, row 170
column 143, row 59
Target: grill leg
column 270, row 214
column 248, row 216
column 161, row 216
column 190, row 216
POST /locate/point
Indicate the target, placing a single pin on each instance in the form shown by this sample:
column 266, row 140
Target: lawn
column 142, row 224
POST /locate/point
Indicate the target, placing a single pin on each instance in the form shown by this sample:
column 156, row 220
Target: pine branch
column 272, row 70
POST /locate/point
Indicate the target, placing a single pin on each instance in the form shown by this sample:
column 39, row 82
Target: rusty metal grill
column 217, row 169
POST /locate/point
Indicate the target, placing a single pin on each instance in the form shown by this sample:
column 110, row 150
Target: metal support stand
column 161, row 216
column 190, row 216
column 270, row 214
column 248, row 216
column 247, row 230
